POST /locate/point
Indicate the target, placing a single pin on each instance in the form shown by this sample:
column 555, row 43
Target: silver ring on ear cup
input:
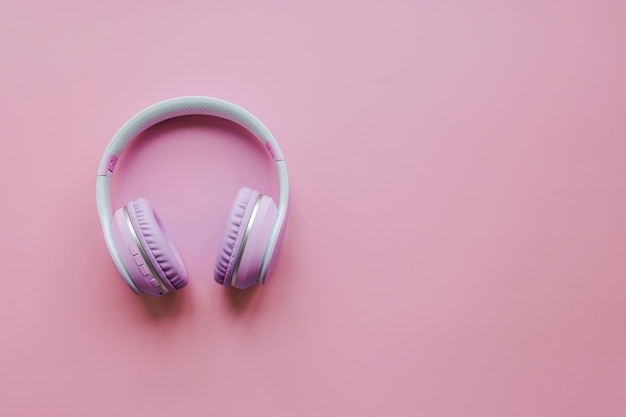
column 245, row 239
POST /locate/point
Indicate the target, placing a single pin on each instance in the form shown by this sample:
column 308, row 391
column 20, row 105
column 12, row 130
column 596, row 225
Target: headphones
column 141, row 248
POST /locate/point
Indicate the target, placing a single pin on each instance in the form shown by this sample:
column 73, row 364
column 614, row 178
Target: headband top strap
column 185, row 106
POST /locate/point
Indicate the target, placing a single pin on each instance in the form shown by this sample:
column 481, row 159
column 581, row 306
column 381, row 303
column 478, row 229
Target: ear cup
column 231, row 242
column 160, row 246
column 244, row 242
column 146, row 249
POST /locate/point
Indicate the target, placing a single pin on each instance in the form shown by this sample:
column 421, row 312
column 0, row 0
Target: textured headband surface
column 188, row 106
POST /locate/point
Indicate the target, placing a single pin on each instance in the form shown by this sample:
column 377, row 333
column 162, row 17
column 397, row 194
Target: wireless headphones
column 139, row 244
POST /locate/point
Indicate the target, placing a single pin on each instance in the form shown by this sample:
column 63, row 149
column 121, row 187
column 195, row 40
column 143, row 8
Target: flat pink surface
column 457, row 243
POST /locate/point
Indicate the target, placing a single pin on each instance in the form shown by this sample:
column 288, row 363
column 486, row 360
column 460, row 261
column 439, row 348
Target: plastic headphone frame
column 190, row 106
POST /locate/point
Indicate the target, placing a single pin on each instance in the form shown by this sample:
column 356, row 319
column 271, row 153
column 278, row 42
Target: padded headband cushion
column 169, row 265
column 231, row 241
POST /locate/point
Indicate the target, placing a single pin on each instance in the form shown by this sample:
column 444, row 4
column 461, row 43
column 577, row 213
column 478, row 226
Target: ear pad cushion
column 245, row 240
column 158, row 245
column 231, row 242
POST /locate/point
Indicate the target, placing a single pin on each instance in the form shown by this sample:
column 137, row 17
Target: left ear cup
column 148, row 252
column 245, row 240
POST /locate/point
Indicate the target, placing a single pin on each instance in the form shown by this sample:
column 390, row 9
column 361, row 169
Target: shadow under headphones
column 141, row 247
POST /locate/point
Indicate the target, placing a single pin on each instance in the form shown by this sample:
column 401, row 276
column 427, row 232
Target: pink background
column 457, row 244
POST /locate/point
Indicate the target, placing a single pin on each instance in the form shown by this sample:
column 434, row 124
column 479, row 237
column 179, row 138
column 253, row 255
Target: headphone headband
column 189, row 106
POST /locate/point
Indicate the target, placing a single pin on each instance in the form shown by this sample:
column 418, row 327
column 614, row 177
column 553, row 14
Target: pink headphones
column 139, row 244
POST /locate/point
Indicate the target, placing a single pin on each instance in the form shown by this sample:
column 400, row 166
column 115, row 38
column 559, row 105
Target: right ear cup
column 147, row 251
column 247, row 233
